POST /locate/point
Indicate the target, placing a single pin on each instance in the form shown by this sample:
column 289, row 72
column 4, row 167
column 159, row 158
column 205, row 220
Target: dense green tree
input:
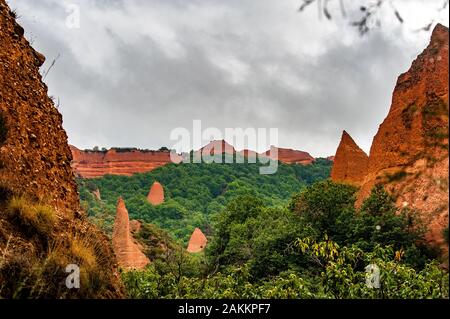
column 323, row 203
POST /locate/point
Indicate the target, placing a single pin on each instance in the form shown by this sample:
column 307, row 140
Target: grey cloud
column 137, row 69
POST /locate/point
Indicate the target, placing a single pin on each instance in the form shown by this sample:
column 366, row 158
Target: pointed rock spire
column 128, row 254
column 350, row 163
column 156, row 194
column 198, row 241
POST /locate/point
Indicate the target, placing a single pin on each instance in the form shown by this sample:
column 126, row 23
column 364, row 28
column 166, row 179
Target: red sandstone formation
column 290, row 156
column 284, row 155
column 350, row 163
column 197, row 242
column 409, row 153
column 156, row 194
column 91, row 164
column 129, row 256
column 217, row 148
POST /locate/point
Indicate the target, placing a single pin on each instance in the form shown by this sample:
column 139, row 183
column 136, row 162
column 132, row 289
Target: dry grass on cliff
column 37, row 218
column 36, row 246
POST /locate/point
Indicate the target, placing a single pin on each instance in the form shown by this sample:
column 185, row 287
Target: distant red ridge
column 92, row 164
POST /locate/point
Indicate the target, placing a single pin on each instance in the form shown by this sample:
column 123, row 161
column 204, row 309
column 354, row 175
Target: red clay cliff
column 409, row 154
column 92, row 164
column 284, row 155
column 34, row 154
column 289, row 156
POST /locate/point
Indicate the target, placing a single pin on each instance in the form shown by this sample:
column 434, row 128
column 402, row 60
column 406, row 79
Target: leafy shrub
column 343, row 277
column 339, row 272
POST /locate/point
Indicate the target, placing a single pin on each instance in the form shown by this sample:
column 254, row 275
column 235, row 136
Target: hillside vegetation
column 194, row 193
column 294, row 234
column 318, row 246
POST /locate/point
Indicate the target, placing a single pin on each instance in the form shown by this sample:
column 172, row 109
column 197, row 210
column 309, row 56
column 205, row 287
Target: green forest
column 194, row 193
column 294, row 234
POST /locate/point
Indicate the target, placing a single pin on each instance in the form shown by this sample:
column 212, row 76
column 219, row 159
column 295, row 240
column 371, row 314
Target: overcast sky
column 135, row 70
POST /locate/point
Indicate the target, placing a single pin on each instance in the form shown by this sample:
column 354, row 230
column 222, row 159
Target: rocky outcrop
column 156, row 194
column 197, row 242
column 218, row 148
column 34, row 154
column 129, row 161
column 284, row 155
column 350, row 162
column 35, row 176
column 126, row 249
column 409, row 153
column 289, row 156
column 92, row 164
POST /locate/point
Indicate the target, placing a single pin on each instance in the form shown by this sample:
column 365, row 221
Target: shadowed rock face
column 409, row 153
column 156, row 194
column 350, row 163
column 129, row 256
column 197, row 242
column 91, row 164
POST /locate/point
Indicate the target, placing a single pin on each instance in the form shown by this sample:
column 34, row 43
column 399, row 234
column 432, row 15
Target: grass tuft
column 33, row 218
